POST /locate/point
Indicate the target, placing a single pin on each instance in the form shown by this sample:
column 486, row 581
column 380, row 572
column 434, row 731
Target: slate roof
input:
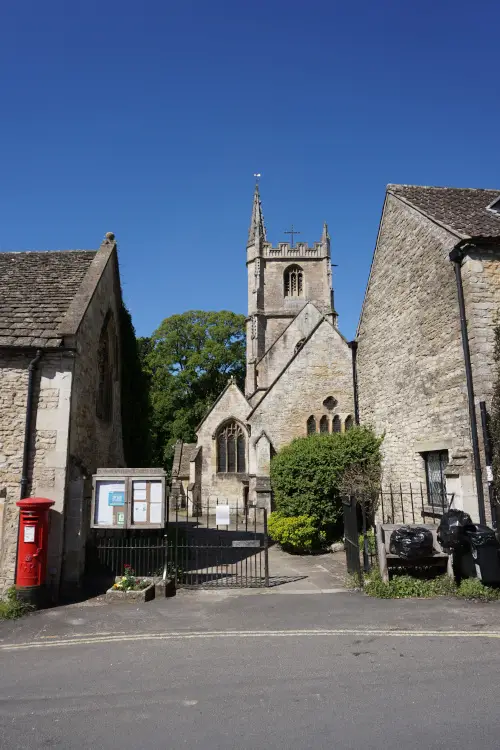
column 36, row 289
column 183, row 453
column 462, row 210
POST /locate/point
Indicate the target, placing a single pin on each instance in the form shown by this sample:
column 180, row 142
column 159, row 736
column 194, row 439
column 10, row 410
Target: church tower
column 282, row 279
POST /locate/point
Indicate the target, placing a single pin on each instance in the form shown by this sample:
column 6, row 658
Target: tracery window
column 294, row 282
column 336, row 424
column 323, row 424
column 349, row 423
column 311, row 425
column 231, row 448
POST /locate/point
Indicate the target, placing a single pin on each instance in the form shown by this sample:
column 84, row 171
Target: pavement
column 228, row 669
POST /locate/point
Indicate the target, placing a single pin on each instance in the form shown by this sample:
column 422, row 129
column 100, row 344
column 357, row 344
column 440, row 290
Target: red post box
column 32, row 548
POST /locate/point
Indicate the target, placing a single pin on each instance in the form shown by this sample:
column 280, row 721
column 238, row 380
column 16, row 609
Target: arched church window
column 311, row 425
column 336, row 426
column 323, row 424
column 231, row 448
column 294, row 282
column 349, row 423
column 106, row 356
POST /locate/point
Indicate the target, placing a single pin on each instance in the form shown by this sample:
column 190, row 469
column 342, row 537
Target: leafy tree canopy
column 190, row 358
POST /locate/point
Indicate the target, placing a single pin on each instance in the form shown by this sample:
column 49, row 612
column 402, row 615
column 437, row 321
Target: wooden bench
column 387, row 560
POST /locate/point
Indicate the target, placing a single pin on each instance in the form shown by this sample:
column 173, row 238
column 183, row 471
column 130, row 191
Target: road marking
column 225, row 634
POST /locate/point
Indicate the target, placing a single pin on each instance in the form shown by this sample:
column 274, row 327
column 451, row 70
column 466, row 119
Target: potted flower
column 130, row 587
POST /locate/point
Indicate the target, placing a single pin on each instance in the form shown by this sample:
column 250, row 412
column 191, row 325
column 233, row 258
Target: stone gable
column 321, row 369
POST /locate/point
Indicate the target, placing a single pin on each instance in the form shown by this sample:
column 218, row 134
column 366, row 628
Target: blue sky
column 149, row 120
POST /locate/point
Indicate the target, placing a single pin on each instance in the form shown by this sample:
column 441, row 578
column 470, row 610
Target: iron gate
column 218, row 545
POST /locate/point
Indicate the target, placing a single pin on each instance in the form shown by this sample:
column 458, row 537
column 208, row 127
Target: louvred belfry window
column 231, row 449
column 294, row 282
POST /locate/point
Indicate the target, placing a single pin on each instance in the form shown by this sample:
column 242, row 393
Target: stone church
column 299, row 376
column 60, row 409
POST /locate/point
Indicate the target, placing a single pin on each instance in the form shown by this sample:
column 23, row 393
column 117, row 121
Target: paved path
column 306, row 574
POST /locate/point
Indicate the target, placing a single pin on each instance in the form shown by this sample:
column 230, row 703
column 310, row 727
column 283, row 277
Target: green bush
column 306, row 475
column 296, row 534
column 11, row 607
column 472, row 588
column 403, row 587
column 372, row 544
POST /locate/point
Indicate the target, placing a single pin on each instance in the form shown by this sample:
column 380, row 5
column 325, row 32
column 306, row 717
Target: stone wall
column 48, row 449
column 94, row 442
column 481, row 283
column 275, row 359
column 411, row 373
column 322, row 368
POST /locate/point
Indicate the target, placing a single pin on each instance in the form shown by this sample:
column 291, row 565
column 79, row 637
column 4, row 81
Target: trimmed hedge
column 296, row 534
column 306, row 475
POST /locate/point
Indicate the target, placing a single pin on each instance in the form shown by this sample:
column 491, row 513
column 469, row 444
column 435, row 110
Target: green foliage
column 494, row 420
column 129, row 582
column 297, row 534
column 189, row 359
column 11, row 607
column 307, row 474
column 372, row 545
column 136, row 412
column 403, row 587
column 473, row 588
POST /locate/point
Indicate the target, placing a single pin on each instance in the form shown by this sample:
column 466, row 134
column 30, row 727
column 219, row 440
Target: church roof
column 464, row 211
column 44, row 294
column 36, row 289
column 183, row 453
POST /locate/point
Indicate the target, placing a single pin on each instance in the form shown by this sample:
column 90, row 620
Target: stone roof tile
column 463, row 210
column 36, row 289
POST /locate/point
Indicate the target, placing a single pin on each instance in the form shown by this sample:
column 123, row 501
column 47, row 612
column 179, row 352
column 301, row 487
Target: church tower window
column 323, row 424
column 294, row 282
column 231, row 449
column 311, row 425
column 336, row 426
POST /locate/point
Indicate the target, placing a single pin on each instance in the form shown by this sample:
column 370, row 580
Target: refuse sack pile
column 451, row 530
column 411, row 542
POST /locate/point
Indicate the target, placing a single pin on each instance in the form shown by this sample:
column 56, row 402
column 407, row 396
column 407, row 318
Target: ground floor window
column 435, row 465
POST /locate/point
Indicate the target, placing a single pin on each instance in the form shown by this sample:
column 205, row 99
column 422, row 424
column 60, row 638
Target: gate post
column 351, row 535
column 266, row 552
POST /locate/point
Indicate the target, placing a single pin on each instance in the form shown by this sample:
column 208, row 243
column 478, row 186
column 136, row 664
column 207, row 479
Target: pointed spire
column 257, row 231
column 325, row 237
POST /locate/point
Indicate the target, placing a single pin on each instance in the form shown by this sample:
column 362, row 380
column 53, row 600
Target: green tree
column 135, row 402
column 189, row 359
column 307, row 475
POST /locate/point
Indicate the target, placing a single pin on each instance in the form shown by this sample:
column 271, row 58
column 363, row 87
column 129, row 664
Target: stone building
column 60, row 412
column 299, row 375
column 421, row 370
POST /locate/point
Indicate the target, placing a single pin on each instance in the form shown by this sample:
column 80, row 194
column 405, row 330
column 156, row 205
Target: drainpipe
column 353, row 345
column 27, row 431
column 29, row 418
column 456, row 258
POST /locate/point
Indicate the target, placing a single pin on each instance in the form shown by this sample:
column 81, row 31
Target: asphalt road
column 339, row 683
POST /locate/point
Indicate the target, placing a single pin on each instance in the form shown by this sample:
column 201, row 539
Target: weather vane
column 257, row 176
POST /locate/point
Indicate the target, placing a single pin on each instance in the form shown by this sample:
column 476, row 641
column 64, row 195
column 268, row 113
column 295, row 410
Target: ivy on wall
column 135, row 401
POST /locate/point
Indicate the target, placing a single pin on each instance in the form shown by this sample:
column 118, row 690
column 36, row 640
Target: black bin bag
column 451, row 530
column 411, row 542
